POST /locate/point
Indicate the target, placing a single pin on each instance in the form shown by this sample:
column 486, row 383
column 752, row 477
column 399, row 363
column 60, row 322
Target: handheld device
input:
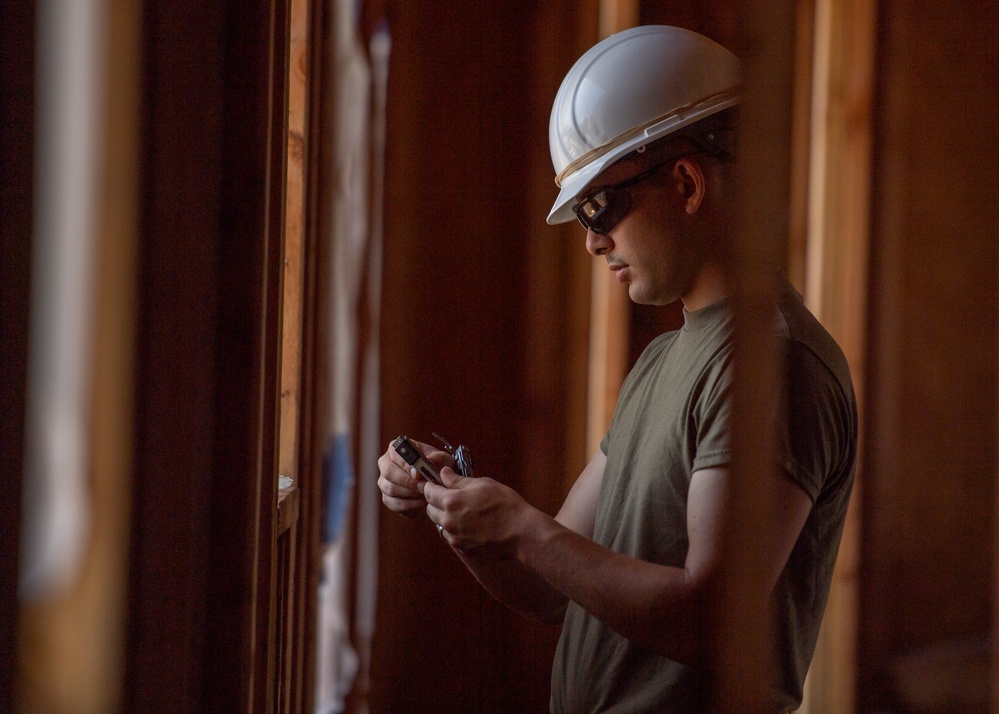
column 414, row 457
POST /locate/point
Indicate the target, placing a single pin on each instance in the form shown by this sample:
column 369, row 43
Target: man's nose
column 597, row 244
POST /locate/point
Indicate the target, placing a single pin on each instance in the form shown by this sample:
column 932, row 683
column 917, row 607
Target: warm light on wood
column 291, row 343
column 72, row 647
column 617, row 15
column 836, row 286
column 610, row 306
column 608, row 351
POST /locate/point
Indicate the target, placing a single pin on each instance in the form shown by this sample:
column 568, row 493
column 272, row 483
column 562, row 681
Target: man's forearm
column 656, row 606
column 518, row 587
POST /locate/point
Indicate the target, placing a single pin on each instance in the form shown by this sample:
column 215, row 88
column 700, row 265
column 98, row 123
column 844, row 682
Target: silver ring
column 440, row 531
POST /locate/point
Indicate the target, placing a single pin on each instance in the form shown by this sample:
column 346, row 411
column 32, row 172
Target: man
column 643, row 140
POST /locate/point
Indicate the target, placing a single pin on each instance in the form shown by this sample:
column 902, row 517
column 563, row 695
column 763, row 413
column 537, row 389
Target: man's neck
column 707, row 289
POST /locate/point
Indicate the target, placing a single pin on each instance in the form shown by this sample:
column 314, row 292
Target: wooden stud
column 766, row 49
column 610, row 307
column 836, row 283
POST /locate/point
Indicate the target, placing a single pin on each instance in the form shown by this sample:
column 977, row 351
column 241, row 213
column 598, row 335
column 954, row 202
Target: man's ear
column 690, row 183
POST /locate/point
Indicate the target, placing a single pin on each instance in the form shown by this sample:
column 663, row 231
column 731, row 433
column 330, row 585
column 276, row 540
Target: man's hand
column 402, row 486
column 481, row 517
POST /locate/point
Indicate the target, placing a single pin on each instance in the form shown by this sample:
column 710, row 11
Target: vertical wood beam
column 272, row 34
column 927, row 568
column 73, row 643
column 609, row 316
column 617, row 15
column 609, row 304
column 212, row 197
column 766, row 49
column 100, row 623
column 313, row 426
column 291, row 342
column 836, row 283
column 71, row 646
column 801, row 141
column 174, row 401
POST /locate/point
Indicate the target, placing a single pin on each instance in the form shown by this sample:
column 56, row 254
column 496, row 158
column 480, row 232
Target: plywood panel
column 930, row 466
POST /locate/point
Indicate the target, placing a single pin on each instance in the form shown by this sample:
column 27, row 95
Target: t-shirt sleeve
column 712, row 417
column 815, row 424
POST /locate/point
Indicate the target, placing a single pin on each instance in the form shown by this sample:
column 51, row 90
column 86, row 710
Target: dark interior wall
column 716, row 19
column 928, row 478
column 484, row 328
column 17, row 79
column 206, row 384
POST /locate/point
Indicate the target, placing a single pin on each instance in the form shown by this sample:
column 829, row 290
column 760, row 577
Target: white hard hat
column 627, row 91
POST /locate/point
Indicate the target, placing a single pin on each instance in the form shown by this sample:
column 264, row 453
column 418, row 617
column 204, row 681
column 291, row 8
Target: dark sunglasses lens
column 585, row 224
column 610, row 209
column 588, row 211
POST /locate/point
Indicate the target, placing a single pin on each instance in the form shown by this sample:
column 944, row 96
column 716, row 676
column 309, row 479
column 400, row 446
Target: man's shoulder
column 808, row 338
column 657, row 345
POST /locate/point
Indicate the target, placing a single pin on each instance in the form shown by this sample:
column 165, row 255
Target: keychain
column 462, row 456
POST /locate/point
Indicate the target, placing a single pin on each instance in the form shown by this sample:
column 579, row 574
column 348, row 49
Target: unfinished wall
column 930, row 469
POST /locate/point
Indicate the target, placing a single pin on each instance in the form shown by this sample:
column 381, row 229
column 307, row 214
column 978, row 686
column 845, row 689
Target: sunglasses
column 600, row 212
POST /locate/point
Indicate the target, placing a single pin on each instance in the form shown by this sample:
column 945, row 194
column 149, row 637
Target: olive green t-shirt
column 672, row 419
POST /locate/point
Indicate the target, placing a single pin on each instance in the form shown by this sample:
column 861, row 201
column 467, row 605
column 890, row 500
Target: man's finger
column 450, row 478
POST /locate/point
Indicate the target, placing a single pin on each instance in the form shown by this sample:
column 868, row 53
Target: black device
column 414, row 457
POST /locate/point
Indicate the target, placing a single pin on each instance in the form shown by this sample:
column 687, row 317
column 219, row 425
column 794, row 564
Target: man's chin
column 643, row 297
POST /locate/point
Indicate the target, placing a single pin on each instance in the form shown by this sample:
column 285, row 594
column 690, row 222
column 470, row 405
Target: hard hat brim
column 577, row 182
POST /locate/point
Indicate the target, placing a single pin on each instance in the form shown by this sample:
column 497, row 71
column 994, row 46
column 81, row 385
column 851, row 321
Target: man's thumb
column 450, row 477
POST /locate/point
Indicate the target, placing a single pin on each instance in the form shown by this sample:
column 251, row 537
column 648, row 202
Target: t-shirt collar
column 699, row 319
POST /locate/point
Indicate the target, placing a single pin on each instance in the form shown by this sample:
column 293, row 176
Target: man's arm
column 659, row 607
column 518, row 586
column 508, row 580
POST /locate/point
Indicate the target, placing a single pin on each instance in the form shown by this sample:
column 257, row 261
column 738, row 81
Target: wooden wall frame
column 205, row 472
column 766, row 46
column 834, row 264
column 221, row 576
column 316, row 225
